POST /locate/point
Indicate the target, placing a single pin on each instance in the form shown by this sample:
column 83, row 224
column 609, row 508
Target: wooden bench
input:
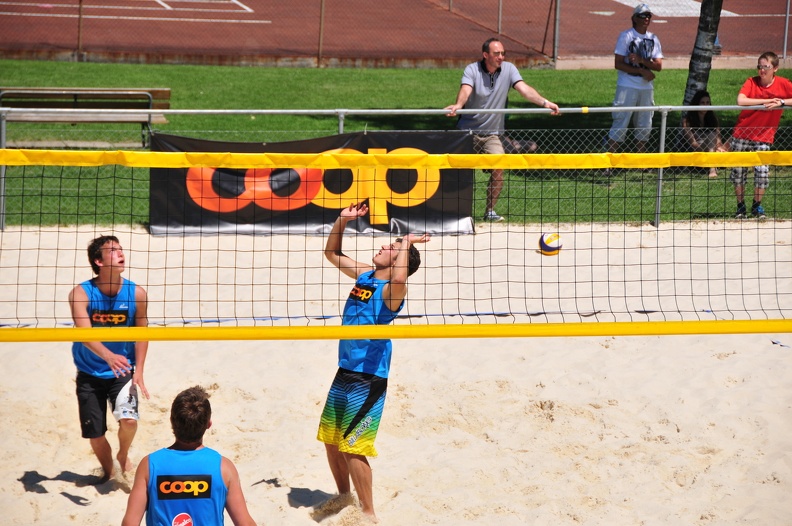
column 68, row 105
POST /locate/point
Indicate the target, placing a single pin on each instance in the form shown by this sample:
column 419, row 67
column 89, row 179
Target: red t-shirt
column 757, row 125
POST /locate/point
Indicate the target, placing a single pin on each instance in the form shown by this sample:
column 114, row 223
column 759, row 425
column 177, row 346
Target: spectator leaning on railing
column 755, row 129
column 485, row 86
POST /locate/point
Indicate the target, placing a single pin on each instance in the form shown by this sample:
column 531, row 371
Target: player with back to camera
column 109, row 371
column 187, row 483
column 352, row 413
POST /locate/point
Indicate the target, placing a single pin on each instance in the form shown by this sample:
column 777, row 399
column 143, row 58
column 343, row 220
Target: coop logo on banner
column 367, row 184
column 299, row 200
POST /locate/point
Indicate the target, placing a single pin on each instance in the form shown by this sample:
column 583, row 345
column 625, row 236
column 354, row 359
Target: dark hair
column 415, row 259
column 486, row 45
column 694, row 120
column 770, row 57
column 191, row 413
column 95, row 250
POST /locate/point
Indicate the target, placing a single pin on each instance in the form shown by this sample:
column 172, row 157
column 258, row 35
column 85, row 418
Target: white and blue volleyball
column 550, row 244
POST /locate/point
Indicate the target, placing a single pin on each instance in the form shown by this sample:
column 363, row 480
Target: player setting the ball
column 351, row 416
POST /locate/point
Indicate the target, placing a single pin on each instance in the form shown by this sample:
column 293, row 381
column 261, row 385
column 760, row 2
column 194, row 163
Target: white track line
column 143, row 18
column 132, row 8
column 243, row 6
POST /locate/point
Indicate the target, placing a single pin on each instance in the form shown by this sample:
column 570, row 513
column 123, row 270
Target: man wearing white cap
column 638, row 56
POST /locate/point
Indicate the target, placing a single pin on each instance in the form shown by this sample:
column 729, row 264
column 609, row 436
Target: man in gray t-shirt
column 485, row 85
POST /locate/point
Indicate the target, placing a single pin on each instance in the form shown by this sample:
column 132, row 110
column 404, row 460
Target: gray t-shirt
column 491, row 92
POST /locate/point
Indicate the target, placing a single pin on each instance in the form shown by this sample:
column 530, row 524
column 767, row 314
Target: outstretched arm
column 464, row 94
column 333, row 252
column 531, row 95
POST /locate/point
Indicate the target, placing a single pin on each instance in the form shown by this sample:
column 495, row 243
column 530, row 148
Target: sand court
column 562, row 431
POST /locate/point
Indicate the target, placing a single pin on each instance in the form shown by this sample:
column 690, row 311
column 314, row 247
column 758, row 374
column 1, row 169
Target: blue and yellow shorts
column 352, row 413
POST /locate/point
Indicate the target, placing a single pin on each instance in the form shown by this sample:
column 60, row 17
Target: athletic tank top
column 365, row 306
column 185, row 488
column 106, row 311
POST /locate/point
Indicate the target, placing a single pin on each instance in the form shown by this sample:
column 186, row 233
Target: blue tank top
column 106, row 311
column 185, row 487
column 365, row 306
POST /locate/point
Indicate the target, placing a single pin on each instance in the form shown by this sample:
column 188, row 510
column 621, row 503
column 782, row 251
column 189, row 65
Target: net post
column 659, row 196
column 2, row 171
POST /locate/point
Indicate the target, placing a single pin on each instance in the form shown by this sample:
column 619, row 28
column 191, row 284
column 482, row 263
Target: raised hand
column 355, row 210
column 415, row 238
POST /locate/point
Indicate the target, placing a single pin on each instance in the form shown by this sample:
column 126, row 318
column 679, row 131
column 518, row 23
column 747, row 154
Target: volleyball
column 550, row 244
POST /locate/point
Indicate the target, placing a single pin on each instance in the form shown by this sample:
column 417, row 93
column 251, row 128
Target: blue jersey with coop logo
column 185, row 487
column 107, row 311
column 365, row 306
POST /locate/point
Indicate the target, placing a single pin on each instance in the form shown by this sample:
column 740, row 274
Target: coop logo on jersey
column 111, row 318
column 182, row 519
column 173, row 487
column 362, row 293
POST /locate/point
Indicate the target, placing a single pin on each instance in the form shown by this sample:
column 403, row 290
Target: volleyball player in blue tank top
column 187, row 483
column 352, row 413
column 109, row 371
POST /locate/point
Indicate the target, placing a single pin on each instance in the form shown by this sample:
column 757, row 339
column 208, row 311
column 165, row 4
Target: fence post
column 321, row 34
column 2, row 171
column 786, row 30
column 659, row 196
column 340, row 122
column 556, row 37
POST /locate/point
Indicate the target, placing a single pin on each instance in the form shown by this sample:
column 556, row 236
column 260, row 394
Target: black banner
column 307, row 201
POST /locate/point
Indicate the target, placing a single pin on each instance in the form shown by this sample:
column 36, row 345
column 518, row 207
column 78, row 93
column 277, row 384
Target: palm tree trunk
column 701, row 59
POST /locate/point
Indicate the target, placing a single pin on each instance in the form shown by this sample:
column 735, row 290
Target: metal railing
column 665, row 136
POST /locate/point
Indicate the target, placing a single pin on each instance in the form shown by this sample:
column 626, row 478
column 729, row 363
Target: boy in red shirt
column 755, row 129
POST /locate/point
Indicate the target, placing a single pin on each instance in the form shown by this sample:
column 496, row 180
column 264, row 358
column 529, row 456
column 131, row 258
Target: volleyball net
column 644, row 251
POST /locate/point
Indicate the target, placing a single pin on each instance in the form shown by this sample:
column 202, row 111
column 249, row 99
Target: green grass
column 226, row 87
column 531, row 196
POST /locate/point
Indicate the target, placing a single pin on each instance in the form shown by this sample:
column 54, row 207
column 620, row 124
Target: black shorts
column 93, row 395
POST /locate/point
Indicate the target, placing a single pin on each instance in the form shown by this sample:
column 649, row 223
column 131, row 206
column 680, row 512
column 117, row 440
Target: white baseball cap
column 641, row 9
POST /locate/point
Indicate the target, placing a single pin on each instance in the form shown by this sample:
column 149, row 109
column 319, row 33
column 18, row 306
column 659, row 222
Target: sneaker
column 492, row 217
column 741, row 211
column 758, row 212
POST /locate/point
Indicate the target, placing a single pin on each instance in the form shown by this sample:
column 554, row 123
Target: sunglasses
column 644, row 16
column 766, row 66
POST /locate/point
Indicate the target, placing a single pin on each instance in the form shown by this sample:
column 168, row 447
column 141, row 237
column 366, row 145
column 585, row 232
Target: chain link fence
column 529, row 196
column 403, row 33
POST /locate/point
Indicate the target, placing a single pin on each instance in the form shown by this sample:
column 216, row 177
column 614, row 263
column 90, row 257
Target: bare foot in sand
column 353, row 516
column 125, row 463
column 333, row 505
